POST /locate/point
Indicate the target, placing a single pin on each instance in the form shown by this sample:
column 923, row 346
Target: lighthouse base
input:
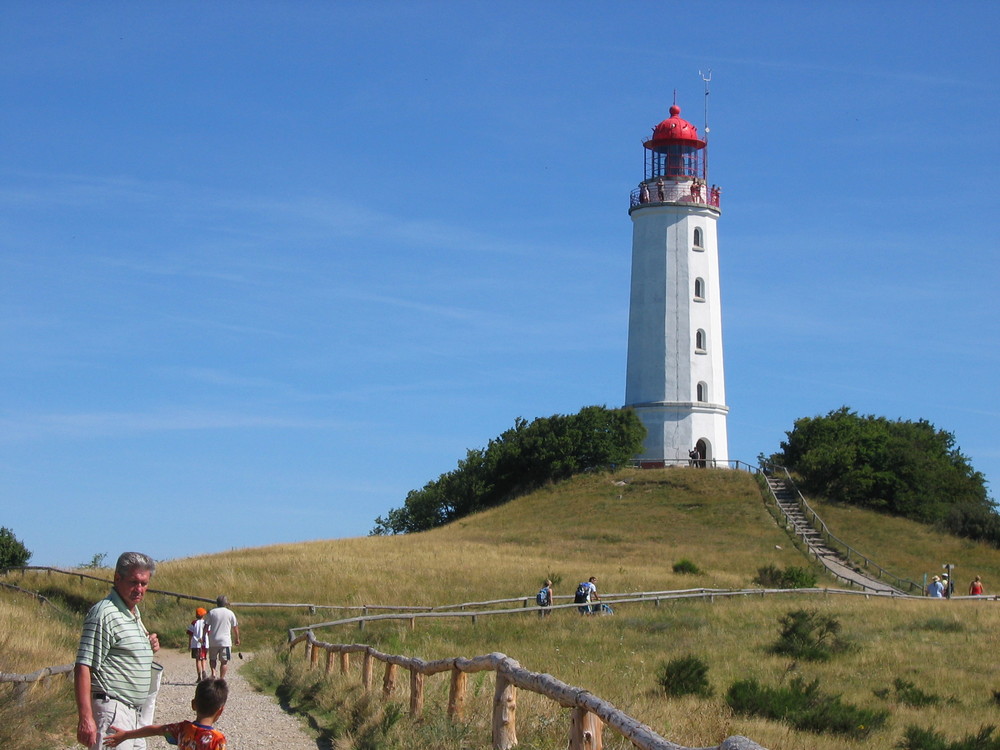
column 675, row 429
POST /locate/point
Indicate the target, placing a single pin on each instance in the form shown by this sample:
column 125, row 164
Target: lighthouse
column 674, row 376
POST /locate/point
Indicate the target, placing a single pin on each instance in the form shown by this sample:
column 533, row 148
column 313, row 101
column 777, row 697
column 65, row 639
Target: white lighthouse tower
column 674, row 378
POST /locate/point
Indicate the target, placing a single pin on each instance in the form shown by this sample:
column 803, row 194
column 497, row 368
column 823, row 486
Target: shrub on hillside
column 917, row 738
column 521, row 460
column 805, row 707
column 13, row 553
column 908, row 694
column 791, row 577
column 687, row 675
column 905, row 468
column 685, row 566
column 809, row 635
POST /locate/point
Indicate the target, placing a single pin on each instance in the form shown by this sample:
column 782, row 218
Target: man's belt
column 106, row 697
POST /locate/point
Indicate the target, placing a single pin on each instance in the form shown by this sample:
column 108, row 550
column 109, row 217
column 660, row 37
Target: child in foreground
column 209, row 700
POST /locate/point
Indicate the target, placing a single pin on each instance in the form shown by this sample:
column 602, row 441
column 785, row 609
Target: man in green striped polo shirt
column 115, row 656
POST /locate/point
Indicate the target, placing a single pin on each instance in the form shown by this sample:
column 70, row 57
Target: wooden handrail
column 589, row 715
column 821, row 526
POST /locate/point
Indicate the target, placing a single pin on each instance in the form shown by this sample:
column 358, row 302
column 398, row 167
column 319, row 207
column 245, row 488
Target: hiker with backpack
column 586, row 593
column 544, row 598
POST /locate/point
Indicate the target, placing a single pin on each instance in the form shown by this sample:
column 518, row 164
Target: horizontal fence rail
column 654, row 597
column 589, row 712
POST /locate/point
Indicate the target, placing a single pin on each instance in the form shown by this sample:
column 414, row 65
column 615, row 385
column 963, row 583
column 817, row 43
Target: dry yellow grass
column 31, row 639
column 627, row 529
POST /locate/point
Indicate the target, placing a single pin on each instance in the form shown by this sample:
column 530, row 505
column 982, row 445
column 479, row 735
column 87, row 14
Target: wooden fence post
column 389, row 681
column 586, row 731
column 416, row 694
column 345, row 662
column 309, row 650
column 456, row 694
column 504, row 714
column 314, row 656
column 329, row 662
column 366, row 672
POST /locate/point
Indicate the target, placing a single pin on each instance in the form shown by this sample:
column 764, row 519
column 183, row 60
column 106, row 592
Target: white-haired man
column 115, row 657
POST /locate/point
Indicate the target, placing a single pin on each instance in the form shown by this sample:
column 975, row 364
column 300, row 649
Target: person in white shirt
column 223, row 634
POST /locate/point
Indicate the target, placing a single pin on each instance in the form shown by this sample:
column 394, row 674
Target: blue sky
column 266, row 267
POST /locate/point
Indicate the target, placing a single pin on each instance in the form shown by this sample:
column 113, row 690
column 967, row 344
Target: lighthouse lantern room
column 674, row 378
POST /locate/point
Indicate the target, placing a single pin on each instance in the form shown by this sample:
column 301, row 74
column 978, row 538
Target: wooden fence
column 656, row 598
column 589, row 714
column 23, row 682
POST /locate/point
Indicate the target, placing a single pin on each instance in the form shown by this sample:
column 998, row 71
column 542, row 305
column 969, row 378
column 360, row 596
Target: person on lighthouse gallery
column 114, row 660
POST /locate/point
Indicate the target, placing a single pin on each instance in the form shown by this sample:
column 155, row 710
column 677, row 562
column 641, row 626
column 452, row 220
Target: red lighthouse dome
column 674, row 131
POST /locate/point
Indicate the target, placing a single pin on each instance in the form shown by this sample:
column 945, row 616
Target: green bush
column 809, row 635
column 911, row 695
column 686, row 566
column 904, row 468
column 917, row 738
column 805, row 707
column 687, row 675
column 791, row 577
column 13, row 553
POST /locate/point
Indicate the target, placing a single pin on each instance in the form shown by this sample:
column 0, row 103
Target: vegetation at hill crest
column 900, row 467
column 521, row 459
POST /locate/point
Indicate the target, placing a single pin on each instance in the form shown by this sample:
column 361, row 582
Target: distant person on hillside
column 693, row 457
column 936, row 589
column 976, row 587
column 222, row 630
column 949, row 587
column 114, row 661
column 586, row 593
column 544, row 598
column 198, row 633
column 209, row 699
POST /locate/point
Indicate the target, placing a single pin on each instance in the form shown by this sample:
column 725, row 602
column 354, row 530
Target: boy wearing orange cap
column 198, row 630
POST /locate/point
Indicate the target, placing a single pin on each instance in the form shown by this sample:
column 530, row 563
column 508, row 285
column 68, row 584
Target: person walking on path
column 544, row 598
column 198, row 633
column 223, row 632
column 936, row 589
column 209, row 700
column 976, row 587
column 114, row 660
column 586, row 593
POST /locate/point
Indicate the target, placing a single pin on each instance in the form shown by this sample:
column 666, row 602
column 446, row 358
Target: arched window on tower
column 699, row 290
column 700, row 346
column 699, row 239
column 703, row 392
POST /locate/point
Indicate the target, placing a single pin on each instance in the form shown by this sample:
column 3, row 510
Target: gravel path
column 251, row 721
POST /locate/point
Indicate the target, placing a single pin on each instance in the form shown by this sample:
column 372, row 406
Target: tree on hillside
column 520, row 460
column 13, row 553
column 904, row 468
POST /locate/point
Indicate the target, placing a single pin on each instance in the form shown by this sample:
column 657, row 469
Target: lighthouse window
column 699, row 342
column 703, row 391
column 699, row 290
column 698, row 239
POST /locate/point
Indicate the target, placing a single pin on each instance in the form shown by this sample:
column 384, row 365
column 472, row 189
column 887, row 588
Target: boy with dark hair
column 209, row 700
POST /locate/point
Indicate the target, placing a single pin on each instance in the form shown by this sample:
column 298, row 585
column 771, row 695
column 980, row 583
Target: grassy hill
column 627, row 529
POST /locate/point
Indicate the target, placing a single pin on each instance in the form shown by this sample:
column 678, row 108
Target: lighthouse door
column 703, row 456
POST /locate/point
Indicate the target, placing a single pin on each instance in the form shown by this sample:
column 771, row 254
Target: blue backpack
column 543, row 597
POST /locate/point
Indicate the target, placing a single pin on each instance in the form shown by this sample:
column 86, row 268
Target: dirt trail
column 251, row 721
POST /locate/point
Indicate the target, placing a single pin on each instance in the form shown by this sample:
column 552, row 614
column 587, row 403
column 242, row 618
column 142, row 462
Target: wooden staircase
column 799, row 524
